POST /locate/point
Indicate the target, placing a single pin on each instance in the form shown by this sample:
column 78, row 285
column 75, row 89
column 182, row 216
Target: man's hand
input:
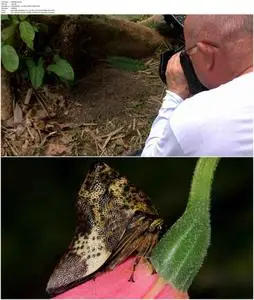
column 176, row 81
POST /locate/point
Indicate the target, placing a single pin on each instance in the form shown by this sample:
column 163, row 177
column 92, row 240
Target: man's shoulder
column 212, row 104
column 215, row 121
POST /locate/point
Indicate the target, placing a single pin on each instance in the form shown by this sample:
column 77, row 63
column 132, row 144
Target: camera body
column 195, row 86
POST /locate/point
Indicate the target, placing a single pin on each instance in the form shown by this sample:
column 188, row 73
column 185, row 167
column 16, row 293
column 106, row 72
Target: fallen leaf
column 28, row 96
column 18, row 114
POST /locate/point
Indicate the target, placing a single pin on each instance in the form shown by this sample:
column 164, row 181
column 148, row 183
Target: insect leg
column 136, row 262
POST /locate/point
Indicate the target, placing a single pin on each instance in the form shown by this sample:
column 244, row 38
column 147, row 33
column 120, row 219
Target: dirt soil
column 108, row 112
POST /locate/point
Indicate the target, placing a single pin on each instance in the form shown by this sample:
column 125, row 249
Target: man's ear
column 208, row 55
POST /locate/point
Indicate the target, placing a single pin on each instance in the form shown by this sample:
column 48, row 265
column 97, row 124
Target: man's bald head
column 222, row 46
column 219, row 29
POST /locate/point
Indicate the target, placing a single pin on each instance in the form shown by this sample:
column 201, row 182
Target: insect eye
column 138, row 214
column 156, row 225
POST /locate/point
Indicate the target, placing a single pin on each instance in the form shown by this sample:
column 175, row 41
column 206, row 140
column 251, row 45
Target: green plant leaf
column 36, row 72
column 30, row 63
column 8, row 32
column 4, row 17
column 36, row 29
column 61, row 68
column 27, row 33
column 14, row 19
column 10, row 59
column 22, row 17
column 180, row 253
column 126, row 63
column 56, row 58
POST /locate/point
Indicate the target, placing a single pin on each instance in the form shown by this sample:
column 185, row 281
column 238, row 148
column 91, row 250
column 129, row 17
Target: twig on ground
column 28, row 96
column 106, row 142
column 42, row 102
column 13, row 148
column 112, row 133
column 117, row 137
column 45, row 138
column 96, row 145
column 39, row 132
column 134, row 124
column 30, row 133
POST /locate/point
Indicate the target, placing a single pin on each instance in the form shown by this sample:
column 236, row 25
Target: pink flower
column 115, row 284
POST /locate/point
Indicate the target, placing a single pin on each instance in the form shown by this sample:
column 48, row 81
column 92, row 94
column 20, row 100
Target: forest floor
column 107, row 112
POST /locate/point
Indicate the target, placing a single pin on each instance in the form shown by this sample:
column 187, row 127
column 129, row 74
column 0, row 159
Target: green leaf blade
column 8, row 32
column 179, row 259
column 62, row 68
column 14, row 19
column 180, row 253
column 4, row 17
column 36, row 73
column 10, row 58
column 23, row 17
column 27, row 33
column 36, row 29
column 126, row 63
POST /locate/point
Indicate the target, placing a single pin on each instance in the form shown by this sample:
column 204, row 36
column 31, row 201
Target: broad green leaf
column 126, row 63
column 22, row 17
column 4, row 17
column 27, row 33
column 62, row 68
column 8, row 32
column 10, row 58
column 180, row 253
column 36, row 72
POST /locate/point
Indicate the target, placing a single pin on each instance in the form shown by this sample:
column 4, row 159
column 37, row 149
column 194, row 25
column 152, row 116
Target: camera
column 176, row 23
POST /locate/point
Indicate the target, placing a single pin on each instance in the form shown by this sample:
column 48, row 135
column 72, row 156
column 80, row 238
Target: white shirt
column 218, row 122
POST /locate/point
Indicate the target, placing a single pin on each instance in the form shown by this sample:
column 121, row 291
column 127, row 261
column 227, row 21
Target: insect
column 115, row 220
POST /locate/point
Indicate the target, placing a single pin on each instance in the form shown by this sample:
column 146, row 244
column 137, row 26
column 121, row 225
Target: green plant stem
column 181, row 251
column 199, row 197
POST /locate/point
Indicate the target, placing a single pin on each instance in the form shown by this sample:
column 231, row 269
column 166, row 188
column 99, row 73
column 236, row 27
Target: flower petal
column 115, row 284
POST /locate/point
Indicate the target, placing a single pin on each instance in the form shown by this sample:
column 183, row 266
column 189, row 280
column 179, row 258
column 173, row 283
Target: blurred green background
column 38, row 218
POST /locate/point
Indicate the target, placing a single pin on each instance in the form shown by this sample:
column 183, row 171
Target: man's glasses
column 189, row 49
column 192, row 47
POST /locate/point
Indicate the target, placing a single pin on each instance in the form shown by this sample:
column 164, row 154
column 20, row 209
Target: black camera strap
column 195, row 86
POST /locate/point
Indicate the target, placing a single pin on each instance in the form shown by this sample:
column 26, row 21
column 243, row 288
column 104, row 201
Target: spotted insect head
column 115, row 220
